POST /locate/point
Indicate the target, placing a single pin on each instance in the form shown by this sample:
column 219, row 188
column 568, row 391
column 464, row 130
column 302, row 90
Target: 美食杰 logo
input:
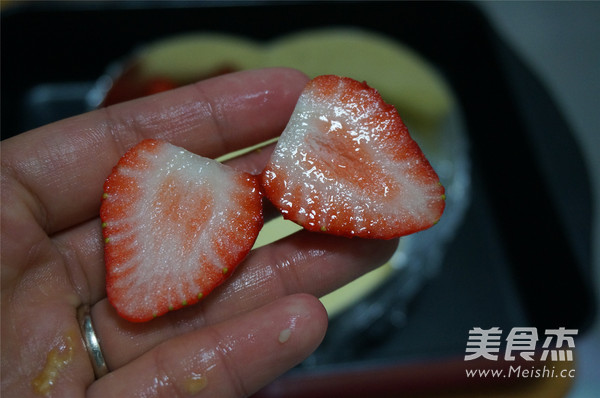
column 537, row 353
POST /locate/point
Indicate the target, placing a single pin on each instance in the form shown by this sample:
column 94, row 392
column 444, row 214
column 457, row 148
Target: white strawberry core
column 173, row 230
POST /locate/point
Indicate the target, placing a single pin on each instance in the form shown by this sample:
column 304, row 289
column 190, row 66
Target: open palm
column 260, row 323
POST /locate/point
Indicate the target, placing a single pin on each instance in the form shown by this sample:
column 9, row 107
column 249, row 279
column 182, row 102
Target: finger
column 305, row 262
column 253, row 162
column 64, row 165
column 82, row 251
column 230, row 359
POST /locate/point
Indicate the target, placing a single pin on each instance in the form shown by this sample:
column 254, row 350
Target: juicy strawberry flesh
column 346, row 165
column 175, row 226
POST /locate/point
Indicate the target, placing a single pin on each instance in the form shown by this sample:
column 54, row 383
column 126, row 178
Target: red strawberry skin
column 175, row 226
column 346, row 165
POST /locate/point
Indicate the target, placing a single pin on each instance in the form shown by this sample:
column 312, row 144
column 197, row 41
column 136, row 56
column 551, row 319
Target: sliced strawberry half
column 346, row 165
column 175, row 226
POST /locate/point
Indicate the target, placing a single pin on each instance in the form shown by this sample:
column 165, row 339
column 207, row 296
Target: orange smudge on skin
column 56, row 361
column 195, row 384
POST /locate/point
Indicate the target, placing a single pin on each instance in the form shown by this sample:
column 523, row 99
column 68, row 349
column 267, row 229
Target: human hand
column 264, row 320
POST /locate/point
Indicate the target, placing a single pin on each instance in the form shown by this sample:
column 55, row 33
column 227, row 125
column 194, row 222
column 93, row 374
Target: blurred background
column 560, row 41
column 520, row 245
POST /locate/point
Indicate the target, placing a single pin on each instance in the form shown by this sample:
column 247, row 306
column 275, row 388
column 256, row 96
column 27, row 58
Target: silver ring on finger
column 90, row 339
